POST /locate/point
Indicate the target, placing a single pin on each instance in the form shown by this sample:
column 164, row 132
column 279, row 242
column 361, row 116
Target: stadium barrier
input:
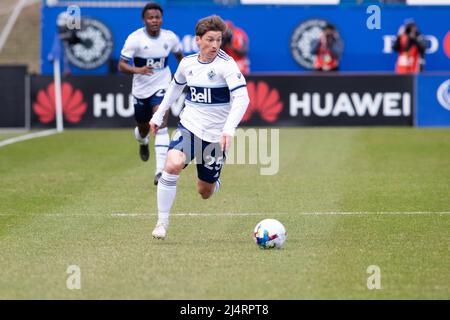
column 331, row 100
column 433, row 101
column 276, row 100
column 13, row 97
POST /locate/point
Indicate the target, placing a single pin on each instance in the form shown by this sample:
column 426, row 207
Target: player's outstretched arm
column 239, row 104
column 153, row 128
column 225, row 141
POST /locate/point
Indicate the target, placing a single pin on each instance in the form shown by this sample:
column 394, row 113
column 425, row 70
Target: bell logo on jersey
column 201, row 96
column 156, row 63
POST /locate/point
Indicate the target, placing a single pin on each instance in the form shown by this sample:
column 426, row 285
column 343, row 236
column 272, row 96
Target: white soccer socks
column 162, row 141
column 217, row 186
column 167, row 189
column 142, row 141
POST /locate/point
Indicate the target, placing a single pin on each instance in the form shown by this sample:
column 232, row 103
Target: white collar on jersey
column 202, row 62
column 149, row 35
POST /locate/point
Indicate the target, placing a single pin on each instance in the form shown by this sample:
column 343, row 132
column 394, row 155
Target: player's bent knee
column 205, row 190
column 205, row 194
column 173, row 168
column 175, row 162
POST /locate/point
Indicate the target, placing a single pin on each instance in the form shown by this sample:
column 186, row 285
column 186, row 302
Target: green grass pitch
column 84, row 198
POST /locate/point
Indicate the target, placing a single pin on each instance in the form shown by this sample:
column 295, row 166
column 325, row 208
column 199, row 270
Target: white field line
column 27, row 137
column 6, row 10
column 230, row 214
column 4, row 34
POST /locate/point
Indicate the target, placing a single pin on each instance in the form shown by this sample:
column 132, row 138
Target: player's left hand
column 225, row 141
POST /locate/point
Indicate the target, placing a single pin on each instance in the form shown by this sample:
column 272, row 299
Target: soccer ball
column 269, row 233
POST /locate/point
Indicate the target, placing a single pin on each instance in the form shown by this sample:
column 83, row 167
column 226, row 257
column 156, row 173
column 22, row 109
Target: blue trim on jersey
column 208, row 96
column 223, row 58
column 125, row 57
column 201, row 105
column 223, row 55
column 179, row 83
column 242, row 85
column 205, row 62
column 141, row 62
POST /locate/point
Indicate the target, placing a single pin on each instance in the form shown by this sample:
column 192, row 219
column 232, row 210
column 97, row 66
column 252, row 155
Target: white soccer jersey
column 144, row 49
column 208, row 100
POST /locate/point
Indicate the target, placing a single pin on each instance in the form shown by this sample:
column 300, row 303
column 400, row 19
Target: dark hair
column 151, row 6
column 210, row 23
column 329, row 26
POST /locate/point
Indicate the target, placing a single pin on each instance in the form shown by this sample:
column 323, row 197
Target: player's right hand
column 225, row 141
column 153, row 128
column 144, row 70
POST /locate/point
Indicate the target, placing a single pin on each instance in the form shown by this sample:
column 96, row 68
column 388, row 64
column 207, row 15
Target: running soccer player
column 148, row 48
column 215, row 104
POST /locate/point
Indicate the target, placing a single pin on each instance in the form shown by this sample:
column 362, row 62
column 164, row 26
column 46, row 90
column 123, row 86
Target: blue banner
column 433, row 101
column 278, row 35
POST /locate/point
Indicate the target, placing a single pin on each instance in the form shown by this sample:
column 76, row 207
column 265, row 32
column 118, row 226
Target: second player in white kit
column 145, row 55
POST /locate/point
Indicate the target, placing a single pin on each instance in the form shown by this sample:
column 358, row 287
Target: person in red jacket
column 327, row 49
column 410, row 47
column 236, row 44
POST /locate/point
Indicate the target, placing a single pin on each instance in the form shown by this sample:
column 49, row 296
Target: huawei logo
column 72, row 103
column 263, row 100
column 447, row 44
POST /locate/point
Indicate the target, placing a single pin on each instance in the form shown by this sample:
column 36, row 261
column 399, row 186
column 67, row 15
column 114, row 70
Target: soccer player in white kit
column 149, row 48
column 215, row 104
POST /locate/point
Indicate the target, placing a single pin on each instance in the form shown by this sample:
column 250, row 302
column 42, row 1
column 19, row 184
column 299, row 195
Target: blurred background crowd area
column 23, row 44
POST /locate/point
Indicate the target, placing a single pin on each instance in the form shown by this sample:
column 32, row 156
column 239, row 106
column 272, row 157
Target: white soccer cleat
column 160, row 231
